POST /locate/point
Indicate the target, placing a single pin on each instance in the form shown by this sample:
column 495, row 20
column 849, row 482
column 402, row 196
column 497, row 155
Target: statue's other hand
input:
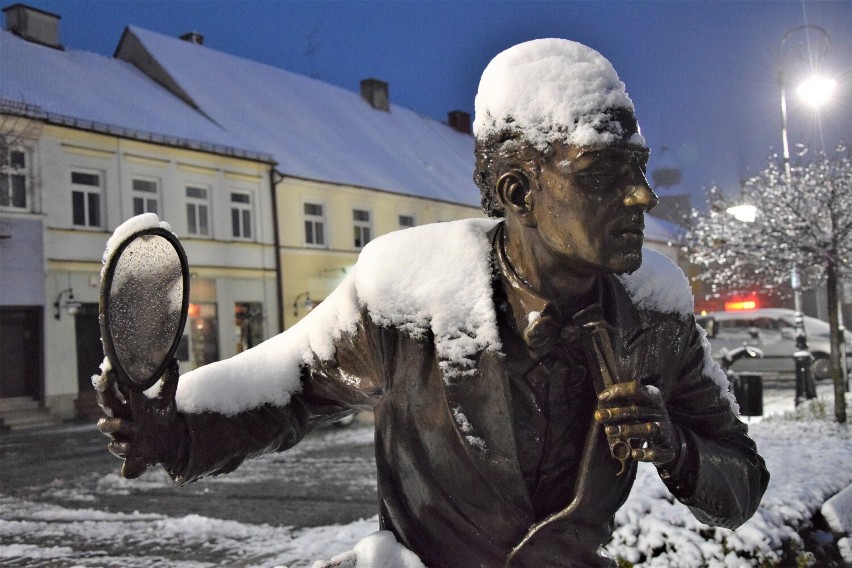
column 633, row 411
column 143, row 431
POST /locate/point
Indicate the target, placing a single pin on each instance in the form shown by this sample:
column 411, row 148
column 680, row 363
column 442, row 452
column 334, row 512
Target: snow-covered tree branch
column 802, row 223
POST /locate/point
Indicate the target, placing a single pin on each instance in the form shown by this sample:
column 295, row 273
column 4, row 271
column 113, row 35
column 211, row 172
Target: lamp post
column 815, row 91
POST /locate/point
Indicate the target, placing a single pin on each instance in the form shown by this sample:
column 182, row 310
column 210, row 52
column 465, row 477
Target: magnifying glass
column 143, row 306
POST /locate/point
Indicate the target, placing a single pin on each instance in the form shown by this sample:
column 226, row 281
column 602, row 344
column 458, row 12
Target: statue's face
column 589, row 207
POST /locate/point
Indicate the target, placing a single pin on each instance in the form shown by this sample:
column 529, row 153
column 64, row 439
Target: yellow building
column 350, row 166
column 324, row 226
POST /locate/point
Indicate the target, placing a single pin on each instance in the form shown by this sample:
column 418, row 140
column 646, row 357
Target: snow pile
column 379, row 550
column 128, row 229
column 552, row 90
column 652, row 529
column 837, row 512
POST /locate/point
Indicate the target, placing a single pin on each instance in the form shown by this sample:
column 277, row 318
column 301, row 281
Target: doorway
column 22, row 371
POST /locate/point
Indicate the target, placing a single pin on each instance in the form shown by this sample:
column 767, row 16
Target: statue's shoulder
column 433, row 278
column 659, row 286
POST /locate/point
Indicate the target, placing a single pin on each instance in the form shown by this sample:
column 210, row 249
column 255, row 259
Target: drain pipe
column 275, row 177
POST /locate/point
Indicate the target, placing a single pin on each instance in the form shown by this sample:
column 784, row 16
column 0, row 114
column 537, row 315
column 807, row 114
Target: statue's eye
column 598, row 177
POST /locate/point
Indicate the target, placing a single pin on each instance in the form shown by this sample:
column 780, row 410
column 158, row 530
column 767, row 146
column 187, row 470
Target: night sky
column 703, row 75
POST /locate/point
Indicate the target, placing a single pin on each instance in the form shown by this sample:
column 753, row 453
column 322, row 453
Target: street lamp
column 815, row 91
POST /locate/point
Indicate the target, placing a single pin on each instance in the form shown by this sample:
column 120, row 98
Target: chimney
column 193, row 37
column 33, row 25
column 375, row 92
column 459, row 120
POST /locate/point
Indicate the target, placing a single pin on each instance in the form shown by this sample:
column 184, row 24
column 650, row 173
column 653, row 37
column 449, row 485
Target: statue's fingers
column 619, row 392
column 109, row 401
column 116, row 427
column 653, row 454
column 641, row 431
column 119, row 449
column 633, row 413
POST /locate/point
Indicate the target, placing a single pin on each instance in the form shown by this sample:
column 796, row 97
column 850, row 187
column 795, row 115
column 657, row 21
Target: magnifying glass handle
column 620, row 449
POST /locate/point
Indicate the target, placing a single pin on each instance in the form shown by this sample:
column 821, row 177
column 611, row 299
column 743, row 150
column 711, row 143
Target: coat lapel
column 481, row 406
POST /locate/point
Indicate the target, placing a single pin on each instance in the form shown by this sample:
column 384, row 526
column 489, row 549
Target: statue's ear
column 514, row 193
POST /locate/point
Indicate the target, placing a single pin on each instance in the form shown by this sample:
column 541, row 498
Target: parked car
column 772, row 330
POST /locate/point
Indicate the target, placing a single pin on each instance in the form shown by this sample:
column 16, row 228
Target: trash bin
column 748, row 390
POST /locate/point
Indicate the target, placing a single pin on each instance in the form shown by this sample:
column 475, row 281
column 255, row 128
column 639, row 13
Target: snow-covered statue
column 518, row 367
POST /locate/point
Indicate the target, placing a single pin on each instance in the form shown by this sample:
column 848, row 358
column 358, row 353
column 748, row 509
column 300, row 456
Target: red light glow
column 740, row 305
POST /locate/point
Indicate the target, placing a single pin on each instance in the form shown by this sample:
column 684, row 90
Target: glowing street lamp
column 815, row 91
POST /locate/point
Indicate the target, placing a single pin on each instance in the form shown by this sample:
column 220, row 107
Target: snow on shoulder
column 659, row 285
column 433, row 278
column 552, row 90
column 405, row 279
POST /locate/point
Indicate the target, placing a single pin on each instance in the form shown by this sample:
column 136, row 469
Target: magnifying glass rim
column 103, row 309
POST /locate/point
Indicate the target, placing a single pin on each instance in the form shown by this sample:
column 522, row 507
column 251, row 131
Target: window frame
column 146, row 196
column 360, row 226
column 88, row 191
column 406, row 216
column 196, row 203
column 314, row 220
column 9, row 172
column 243, row 208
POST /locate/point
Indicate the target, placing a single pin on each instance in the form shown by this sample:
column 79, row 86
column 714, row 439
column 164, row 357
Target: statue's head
column 558, row 148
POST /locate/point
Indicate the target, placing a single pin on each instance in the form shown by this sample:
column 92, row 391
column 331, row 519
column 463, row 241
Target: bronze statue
column 518, row 377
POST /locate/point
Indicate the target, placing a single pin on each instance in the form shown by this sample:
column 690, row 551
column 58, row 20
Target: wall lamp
column 70, row 304
column 308, row 304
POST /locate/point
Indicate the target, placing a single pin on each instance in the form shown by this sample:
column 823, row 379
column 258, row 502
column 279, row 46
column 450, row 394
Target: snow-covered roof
column 316, row 130
column 93, row 92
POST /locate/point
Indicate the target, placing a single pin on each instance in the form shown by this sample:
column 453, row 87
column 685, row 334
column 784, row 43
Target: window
column 406, row 221
column 86, row 190
column 144, row 196
column 13, row 178
column 314, row 225
column 197, row 211
column 362, row 227
column 249, row 324
column 241, row 215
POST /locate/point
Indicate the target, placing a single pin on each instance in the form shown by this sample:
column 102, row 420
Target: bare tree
column 801, row 223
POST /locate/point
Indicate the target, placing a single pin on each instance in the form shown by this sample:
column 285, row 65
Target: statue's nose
column 640, row 194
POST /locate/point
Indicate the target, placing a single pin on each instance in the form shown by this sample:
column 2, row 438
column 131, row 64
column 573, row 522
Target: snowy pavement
column 74, row 517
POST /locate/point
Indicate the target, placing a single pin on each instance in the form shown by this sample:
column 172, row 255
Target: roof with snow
column 314, row 130
column 92, row 92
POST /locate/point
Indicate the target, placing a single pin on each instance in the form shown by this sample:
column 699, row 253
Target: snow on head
column 552, row 90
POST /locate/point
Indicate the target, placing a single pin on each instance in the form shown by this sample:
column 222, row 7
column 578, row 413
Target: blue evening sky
column 703, row 74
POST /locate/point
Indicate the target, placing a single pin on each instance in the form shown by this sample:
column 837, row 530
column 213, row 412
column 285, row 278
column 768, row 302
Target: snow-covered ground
column 809, row 457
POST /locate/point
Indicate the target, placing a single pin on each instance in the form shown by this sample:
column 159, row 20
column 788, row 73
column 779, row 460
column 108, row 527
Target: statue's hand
column 637, row 412
column 144, row 431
